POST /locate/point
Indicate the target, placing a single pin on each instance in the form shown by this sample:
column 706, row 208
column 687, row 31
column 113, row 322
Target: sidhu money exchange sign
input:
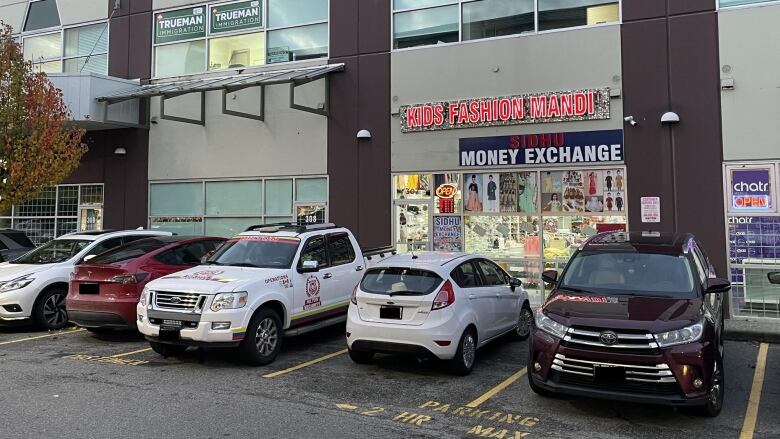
column 563, row 106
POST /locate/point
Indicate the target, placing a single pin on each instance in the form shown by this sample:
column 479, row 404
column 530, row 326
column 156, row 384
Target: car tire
column 361, row 357
column 50, row 312
column 717, row 390
column 466, row 354
column 263, row 339
column 167, row 350
column 525, row 323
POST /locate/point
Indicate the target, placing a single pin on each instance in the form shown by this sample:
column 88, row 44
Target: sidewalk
column 752, row 330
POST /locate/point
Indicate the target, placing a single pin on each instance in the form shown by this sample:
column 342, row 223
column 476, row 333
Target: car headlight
column 15, row 284
column 550, row 326
column 688, row 334
column 144, row 297
column 229, row 301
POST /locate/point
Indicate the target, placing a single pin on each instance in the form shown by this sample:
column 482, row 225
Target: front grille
column 177, row 301
column 653, row 379
column 627, row 341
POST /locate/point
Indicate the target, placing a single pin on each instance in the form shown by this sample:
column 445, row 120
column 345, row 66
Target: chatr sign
column 751, row 190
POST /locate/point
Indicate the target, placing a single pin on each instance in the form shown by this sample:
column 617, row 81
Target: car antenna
column 411, row 250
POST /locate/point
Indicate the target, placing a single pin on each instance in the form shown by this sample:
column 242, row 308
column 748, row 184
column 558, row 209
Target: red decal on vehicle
column 277, row 239
column 312, row 286
column 583, row 299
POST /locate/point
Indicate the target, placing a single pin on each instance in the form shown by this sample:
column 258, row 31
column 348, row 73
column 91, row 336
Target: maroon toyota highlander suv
column 633, row 317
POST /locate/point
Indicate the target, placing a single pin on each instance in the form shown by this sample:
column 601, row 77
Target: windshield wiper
column 242, row 264
column 212, row 263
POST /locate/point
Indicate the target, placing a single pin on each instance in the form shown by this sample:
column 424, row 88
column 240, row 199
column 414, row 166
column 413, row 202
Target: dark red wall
column 670, row 63
column 359, row 170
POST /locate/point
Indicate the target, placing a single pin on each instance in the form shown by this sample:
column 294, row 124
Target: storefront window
column 227, row 227
column 237, row 51
column 494, row 18
column 526, row 220
column 425, row 27
column 176, row 199
column 278, row 195
column 43, row 48
column 225, row 198
column 411, row 227
column 55, row 212
column 557, row 14
column 410, row 4
column 311, row 189
column 726, row 3
column 180, row 59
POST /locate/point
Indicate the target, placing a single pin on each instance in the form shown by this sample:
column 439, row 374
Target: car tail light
column 445, row 298
column 354, row 295
column 129, row 278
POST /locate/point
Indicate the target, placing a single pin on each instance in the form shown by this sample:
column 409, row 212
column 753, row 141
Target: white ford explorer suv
column 444, row 305
column 265, row 283
column 34, row 286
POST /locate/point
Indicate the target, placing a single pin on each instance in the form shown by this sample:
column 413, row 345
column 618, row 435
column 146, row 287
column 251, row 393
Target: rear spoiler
column 368, row 253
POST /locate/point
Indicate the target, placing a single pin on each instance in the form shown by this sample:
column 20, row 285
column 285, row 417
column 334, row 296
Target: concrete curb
column 752, row 330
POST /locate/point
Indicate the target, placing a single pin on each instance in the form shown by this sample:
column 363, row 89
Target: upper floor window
column 41, row 14
column 85, row 49
column 239, row 34
column 430, row 22
column 726, row 3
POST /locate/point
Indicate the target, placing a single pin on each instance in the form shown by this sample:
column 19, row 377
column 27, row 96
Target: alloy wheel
column 267, row 336
column 54, row 310
column 524, row 322
column 469, row 350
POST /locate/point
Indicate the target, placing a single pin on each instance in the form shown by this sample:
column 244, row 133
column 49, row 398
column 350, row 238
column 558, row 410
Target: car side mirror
column 774, row 277
column 88, row 258
column 716, row 285
column 309, row 267
column 515, row 283
column 550, row 276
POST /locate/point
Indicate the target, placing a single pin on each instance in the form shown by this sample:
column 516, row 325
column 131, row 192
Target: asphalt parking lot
column 75, row 384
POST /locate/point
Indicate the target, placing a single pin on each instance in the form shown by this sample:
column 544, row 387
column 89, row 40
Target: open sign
column 446, row 190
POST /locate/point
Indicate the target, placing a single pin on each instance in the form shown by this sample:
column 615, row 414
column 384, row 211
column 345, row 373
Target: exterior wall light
column 364, row 134
column 670, row 117
column 120, row 151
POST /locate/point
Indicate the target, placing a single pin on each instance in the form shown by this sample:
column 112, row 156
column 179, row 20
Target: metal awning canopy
column 229, row 84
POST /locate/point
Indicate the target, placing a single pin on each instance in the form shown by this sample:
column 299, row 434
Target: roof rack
column 289, row 227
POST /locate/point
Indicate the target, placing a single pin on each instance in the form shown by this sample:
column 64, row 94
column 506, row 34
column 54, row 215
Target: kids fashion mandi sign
column 561, row 106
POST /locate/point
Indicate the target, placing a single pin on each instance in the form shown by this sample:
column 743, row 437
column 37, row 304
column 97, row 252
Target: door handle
column 359, row 268
column 327, row 275
column 472, row 296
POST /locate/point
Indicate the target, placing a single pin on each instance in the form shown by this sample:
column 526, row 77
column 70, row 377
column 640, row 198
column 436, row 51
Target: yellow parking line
column 130, row 353
column 749, row 426
column 495, row 390
column 306, row 364
column 54, row 334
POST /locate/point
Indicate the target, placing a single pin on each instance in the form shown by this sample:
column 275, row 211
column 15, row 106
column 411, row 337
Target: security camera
column 630, row 119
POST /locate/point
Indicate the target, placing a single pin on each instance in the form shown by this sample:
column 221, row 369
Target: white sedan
column 445, row 305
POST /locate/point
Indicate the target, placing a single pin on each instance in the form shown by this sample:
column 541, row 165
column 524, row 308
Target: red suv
column 104, row 291
column 633, row 317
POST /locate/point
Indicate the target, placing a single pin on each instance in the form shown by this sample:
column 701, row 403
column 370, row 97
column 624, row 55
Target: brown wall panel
column 690, row 6
column 118, row 43
column 695, row 88
column 343, row 28
column 643, row 9
column 646, row 91
column 342, row 145
column 374, row 26
column 140, row 46
column 373, row 170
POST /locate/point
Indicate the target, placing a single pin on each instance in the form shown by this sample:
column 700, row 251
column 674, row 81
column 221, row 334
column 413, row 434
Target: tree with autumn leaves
column 39, row 144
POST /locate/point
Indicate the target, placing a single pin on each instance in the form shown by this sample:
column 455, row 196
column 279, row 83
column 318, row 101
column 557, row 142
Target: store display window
column 412, row 186
column 448, row 196
column 411, row 223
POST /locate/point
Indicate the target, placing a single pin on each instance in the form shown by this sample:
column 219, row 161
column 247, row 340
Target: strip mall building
column 511, row 128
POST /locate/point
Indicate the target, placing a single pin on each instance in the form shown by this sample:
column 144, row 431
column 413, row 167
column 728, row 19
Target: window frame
column 264, row 29
column 325, row 244
column 338, row 235
column 42, row 30
column 460, row 4
column 495, row 267
column 22, row 36
column 477, row 274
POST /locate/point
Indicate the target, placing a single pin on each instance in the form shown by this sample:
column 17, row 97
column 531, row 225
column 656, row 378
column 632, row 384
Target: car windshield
column 58, row 250
column 646, row 274
column 128, row 252
column 257, row 251
column 400, row 281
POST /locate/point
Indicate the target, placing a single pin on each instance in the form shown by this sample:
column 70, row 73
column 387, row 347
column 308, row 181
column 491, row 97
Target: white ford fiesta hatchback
column 445, row 305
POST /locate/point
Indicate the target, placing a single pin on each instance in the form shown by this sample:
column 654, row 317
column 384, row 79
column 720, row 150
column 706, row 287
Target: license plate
column 89, row 289
column 390, row 312
column 169, row 334
column 609, row 374
column 174, row 324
